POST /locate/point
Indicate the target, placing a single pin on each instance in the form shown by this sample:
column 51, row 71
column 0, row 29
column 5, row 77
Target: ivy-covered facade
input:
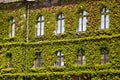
column 60, row 40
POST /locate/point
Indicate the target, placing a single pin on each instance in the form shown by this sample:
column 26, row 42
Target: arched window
column 104, row 55
column 38, row 60
column 81, row 57
column 40, row 26
column 60, row 59
column 60, row 24
column 105, row 18
column 82, row 21
column 12, row 28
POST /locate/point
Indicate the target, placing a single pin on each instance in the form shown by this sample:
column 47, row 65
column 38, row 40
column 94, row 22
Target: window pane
column 13, row 30
column 39, row 18
column 84, row 23
column 107, row 10
column 59, row 17
column 63, row 26
column 58, row 28
column 42, row 28
column 62, row 15
column 38, row 29
column 62, row 61
column 58, row 53
column 42, row 18
column 107, row 21
column 84, row 13
column 80, row 24
column 102, row 59
column 84, row 60
column 102, row 22
column 103, row 10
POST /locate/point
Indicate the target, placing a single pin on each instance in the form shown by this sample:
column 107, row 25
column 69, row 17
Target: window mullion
column 104, row 21
column 82, row 24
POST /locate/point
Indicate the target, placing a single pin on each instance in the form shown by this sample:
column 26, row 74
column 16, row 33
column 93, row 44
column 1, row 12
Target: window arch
column 104, row 55
column 105, row 18
column 60, row 59
column 82, row 21
column 60, row 24
column 12, row 27
column 40, row 26
column 81, row 57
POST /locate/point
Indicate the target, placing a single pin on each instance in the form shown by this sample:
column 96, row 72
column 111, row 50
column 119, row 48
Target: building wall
column 70, row 42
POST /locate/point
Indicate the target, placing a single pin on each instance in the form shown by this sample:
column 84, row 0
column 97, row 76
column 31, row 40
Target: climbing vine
column 93, row 42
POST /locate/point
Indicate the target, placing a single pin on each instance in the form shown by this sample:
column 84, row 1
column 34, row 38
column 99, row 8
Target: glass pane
column 107, row 21
column 13, row 21
column 80, row 24
column 38, row 29
column 58, row 53
column 62, row 54
column 42, row 28
column 38, row 18
column 84, row 13
column 107, row 10
column 34, row 63
column 13, row 30
column 84, row 60
column 42, row 18
column 102, row 59
column 63, row 26
column 62, row 15
column 84, row 23
column 79, row 60
column 103, row 10
column 58, row 27
column 102, row 22
column 59, row 17
column 62, row 61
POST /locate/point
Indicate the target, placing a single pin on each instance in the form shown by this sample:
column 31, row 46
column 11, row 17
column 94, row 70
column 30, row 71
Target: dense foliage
column 91, row 41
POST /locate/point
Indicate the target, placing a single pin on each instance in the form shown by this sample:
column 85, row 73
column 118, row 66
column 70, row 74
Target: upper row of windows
column 60, row 23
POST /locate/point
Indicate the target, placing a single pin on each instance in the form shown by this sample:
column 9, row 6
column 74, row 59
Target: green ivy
column 92, row 43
